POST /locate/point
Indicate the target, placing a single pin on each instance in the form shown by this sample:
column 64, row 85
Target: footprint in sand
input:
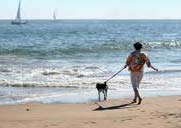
column 147, row 124
column 50, row 125
column 90, row 122
column 168, row 122
column 126, row 119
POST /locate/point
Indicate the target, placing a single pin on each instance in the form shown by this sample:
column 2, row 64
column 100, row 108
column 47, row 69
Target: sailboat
column 54, row 16
column 18, row 19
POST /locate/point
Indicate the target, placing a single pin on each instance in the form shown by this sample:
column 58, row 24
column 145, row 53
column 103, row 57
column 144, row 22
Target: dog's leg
column 99, row 96
column 105, row 94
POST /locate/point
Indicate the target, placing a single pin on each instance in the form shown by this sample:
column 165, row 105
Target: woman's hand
column 154, row 68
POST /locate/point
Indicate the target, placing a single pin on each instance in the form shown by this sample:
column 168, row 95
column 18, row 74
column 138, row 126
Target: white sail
column 18, row 16
column 54, row 15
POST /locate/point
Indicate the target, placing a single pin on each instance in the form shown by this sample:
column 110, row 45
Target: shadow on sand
column 122, row 106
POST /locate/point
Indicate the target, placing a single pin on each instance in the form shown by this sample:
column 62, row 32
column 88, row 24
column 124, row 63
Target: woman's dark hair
column 137, row 45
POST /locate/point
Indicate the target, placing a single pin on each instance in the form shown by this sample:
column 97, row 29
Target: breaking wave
column 74, row 50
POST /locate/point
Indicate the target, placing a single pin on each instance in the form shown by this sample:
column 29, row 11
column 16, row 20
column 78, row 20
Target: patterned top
column 136, row 61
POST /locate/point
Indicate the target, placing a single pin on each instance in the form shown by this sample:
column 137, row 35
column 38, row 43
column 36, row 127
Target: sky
column 92, row 9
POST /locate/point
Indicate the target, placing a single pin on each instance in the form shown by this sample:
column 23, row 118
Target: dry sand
column 162, row 112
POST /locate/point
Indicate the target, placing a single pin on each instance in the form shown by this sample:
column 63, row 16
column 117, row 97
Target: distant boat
column 18, row 19
column 54, row 15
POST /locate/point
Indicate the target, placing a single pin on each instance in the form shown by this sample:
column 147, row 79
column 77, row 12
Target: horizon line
column 103, row 19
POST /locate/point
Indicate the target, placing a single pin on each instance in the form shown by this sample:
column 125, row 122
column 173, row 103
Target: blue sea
column 61, row 61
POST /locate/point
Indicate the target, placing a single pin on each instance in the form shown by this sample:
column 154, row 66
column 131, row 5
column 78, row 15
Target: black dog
column 102, row 87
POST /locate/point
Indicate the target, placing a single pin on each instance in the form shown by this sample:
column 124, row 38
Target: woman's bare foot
column 140, row 100
column 134, row 101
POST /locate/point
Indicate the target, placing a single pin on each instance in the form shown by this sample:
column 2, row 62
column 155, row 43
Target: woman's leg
column 136, row 78
column 139, row 78
column 134, row 85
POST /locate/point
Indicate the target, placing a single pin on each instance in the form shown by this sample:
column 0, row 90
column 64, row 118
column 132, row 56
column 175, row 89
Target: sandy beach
column 162, row 112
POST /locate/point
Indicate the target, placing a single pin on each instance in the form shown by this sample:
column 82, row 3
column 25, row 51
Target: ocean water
column 61, row 61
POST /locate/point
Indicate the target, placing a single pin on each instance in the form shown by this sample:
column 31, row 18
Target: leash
column 115, row 74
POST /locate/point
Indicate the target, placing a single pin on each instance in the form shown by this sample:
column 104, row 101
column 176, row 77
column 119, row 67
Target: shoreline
column 162, row 112
column 78, row 96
